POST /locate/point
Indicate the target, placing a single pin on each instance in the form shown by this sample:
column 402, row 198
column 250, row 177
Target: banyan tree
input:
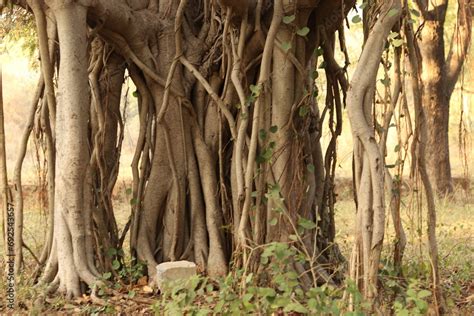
column 229, row 154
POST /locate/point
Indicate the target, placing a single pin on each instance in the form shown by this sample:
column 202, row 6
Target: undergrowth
column 278, row 290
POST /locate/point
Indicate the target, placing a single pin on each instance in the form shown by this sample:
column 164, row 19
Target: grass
column 454, row 230
column 455, row 234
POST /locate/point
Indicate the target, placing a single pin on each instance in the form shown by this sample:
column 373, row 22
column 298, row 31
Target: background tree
column 439, row 74
column 3, row 169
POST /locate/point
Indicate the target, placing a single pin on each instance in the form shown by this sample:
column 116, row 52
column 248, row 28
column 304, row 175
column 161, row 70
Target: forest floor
column 455, row 231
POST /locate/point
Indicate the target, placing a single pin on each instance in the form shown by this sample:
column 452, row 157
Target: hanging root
column 228, row 141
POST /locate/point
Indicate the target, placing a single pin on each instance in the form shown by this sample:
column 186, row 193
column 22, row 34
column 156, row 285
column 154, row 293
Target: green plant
column 276, row 290
column 130, row 271
column 180, row 297
column 415, row 301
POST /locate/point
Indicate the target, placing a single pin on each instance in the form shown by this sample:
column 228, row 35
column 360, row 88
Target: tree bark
column 436, row 103
column 72, row 149
column 420, row 137
column 189, row 77
column 3, row 171
column 369, row 167
column 439, row 76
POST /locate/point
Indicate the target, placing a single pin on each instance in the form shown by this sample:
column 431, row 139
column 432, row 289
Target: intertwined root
column 221, row 166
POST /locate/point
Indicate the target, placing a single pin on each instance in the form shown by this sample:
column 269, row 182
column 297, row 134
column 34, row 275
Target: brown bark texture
column 440, row 72
column 228, row 156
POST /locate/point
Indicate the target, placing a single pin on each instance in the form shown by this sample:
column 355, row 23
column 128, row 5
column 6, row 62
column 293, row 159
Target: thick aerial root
column 18, row 172
column 216, row 265
column 180, row 206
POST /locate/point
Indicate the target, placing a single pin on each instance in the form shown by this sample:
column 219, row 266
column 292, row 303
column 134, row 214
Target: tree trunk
column 436, row 105
column 72, row 150
column 190, row 76
column 3, row 173
column 439, row 76
column 419, row 145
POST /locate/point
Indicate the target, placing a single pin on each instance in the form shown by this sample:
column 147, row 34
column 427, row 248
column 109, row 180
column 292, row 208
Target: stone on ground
column 171, row 272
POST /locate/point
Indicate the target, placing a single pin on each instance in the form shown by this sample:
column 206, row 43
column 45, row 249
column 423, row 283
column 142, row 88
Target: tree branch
column 460, row 43
column 422, row 6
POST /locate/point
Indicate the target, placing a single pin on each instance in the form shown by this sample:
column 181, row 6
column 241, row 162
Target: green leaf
column 403, row 312
column 282, row 301
column 422, row 306
column 415, row 12
column 266, row 292
column 393, row 35
column 135, row 93
column 289, row 18
column 273, row 129
column 275, row 188
column 397, row 42
column 131, row 294
column 306, row 223
column 385, row 81
column 219, row 306
column 303, row 31
column 392, row 12
column 262, row 134
column 106, row 275
column 286, row 46
column 315, row 92
column 246, row 301
column 293, row 237
column 411, row 293
column 265, row 156
column 310, row 168
column 356, row 19
column 115, row 264
column 296, row 307
column 128, row 191
column 111, row 252
column 255, row 90
column 303, row 111
column 248, row 279
column 273, row 221
column 423, row 294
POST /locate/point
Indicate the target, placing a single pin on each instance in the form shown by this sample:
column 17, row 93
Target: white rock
column 167, row 272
